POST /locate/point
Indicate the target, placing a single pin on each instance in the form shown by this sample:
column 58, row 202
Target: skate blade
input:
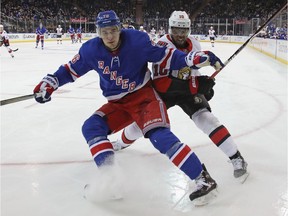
column 204, row 200
column 243, row 178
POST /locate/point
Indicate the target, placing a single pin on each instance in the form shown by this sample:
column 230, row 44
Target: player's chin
column 180, row 42
column 111, row 45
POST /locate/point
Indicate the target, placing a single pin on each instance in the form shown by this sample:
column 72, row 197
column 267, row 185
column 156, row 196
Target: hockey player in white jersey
column 4, row 40
column 172, row 85
column 59, row 34
column 212, row 35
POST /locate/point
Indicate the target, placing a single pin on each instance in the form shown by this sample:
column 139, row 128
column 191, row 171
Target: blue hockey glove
column 44, row 90
column 200, row 59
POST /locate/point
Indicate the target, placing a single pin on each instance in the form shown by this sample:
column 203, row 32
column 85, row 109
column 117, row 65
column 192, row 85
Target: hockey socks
column 180, row 154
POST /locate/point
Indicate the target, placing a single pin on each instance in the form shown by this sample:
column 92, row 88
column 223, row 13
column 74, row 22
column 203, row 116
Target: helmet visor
column 180, row 31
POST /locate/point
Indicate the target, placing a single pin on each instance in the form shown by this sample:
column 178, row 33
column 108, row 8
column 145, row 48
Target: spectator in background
column 153, row 35
column 142, row 29
column 127, row 25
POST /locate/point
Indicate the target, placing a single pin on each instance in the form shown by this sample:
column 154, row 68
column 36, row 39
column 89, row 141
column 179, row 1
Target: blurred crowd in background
column 229, row 17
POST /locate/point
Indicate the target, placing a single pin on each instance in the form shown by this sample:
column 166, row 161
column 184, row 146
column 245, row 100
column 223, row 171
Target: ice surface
column 45, row 162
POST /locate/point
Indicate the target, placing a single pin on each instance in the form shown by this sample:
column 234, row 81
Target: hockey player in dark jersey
column 71, row 32
column 40, row 33
column 120, row 58
column 172, row 86
column 79, row 34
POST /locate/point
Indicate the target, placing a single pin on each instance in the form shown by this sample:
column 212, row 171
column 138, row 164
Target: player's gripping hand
column 209, row 95
column 44, row 90
column 201, row 85
column 200, row 59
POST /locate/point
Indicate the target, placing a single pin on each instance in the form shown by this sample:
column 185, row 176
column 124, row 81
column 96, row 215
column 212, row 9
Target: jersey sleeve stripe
column 71, row 71
column 165, row 63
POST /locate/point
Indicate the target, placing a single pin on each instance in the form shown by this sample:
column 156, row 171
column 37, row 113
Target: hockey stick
column 15, row 50
column 248, row 40
column 16, row 99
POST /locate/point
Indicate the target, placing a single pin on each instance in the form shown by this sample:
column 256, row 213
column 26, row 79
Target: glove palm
column 201, row 85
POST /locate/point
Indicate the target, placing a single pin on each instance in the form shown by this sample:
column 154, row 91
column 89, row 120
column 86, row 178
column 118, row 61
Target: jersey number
column 159, row 71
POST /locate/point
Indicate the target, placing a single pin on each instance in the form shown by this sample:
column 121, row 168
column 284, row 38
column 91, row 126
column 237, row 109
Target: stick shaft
column 16, row 99
column 248, row 40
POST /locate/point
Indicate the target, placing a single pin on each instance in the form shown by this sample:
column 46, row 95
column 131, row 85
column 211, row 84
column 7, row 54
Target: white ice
column 45, row 161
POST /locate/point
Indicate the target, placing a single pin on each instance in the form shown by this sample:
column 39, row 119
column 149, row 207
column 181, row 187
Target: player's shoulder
column 165, row 40
column 91, row 48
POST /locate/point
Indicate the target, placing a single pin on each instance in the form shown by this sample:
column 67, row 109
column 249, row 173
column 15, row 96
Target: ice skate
column 205, row 189
column 240, row 168
column 119, row 145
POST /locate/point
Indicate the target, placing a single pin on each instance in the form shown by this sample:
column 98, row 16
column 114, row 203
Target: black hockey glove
column 209, row 94
column 204, row 84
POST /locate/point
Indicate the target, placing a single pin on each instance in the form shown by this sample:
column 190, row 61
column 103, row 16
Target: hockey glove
column 209, row 94
column 201, row 85
column 44, row 90
column 200, row 59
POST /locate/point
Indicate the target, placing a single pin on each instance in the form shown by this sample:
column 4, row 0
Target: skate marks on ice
column 282, row 204
column 140, row 184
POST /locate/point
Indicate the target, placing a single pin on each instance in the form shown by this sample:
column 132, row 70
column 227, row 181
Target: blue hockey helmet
column 107, row 18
